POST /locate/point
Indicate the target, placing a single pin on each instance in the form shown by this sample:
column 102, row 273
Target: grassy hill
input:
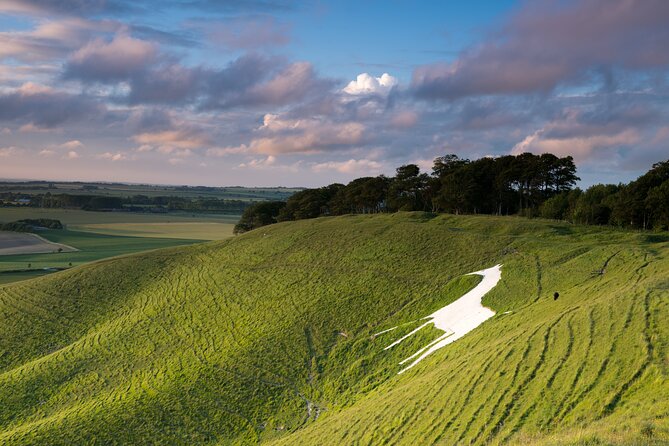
column 268, row 337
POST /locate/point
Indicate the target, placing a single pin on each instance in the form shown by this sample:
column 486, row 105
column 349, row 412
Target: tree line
column 136, row 203
column 640, row 204
column 503, row 185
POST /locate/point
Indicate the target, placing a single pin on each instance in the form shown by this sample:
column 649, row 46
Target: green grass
column 267, row 338
column 7, row 277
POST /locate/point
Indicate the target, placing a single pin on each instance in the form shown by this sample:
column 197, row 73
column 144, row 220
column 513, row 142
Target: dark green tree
column 259, row 214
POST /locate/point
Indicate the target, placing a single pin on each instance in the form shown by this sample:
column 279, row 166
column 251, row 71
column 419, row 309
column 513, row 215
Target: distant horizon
column 284, row 91
column 131, row 183
column 583, row 184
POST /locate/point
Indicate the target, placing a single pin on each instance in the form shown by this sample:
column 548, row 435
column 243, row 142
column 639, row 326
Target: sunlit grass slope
column 267, row 337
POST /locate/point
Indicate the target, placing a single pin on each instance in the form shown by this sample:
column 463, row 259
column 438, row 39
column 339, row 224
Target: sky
column 298, row 93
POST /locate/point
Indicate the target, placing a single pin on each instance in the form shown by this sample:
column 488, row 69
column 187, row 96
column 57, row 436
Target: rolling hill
column 272, row 337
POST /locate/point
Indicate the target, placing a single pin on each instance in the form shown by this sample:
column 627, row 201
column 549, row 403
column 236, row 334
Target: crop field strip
column 263, row 339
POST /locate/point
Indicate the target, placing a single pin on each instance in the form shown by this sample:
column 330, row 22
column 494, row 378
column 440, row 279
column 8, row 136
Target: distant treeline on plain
column 526, row 184
column 136, row 203
column 31, row 225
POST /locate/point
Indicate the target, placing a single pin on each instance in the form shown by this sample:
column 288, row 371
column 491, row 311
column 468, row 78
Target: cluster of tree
column 504, row 185
column 138, row 203
column 642, row 203
column 262, row 213
column 30, row 225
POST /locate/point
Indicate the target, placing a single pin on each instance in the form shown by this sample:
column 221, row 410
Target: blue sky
column 278, row 92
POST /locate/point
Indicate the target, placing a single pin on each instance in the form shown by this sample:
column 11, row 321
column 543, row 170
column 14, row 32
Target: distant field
column 124, row 190
column 98, row 235
column 91, row 247
column 207, row 230
column 21, row 243
column 79, row 217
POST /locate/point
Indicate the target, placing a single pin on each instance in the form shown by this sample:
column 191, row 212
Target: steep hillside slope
column 269, row 338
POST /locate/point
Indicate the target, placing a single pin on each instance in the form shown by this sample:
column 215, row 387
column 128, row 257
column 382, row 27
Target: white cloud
column 118, row 156
column 71, row 145
column 312, row 135
column 367, row 84
column 71, row 155
column 47, row 152
column 259, row 163
column 224, row 151
column 361, row 166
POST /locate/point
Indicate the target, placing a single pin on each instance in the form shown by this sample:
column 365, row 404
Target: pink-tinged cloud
column 113, row 156
column 404, row 119
column 40, row 107
column 114, row 60
column 550, row 42
column 580, row 147
column 225, row 151
column 259, row 163
column 255, row 81
column 50, row 39
column 305, row 136
column 352, row 166
column 6, row 152
column 170, row 140
column 72, row 145
column 661, row 136
column 166, row 84
column 289, row 85
column 65, row 7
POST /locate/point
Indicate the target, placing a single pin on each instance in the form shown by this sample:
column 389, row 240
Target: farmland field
column 77, row 217
column 90, row 247
column 196, row 230
column 272, row 337
column 122, row 190
column 98, row 235
column 12, row 243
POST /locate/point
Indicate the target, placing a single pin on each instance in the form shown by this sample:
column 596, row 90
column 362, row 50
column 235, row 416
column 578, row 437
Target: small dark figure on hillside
column 556, row 295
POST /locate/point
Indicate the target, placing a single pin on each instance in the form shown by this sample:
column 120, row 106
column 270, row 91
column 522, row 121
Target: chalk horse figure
column 455, row 319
